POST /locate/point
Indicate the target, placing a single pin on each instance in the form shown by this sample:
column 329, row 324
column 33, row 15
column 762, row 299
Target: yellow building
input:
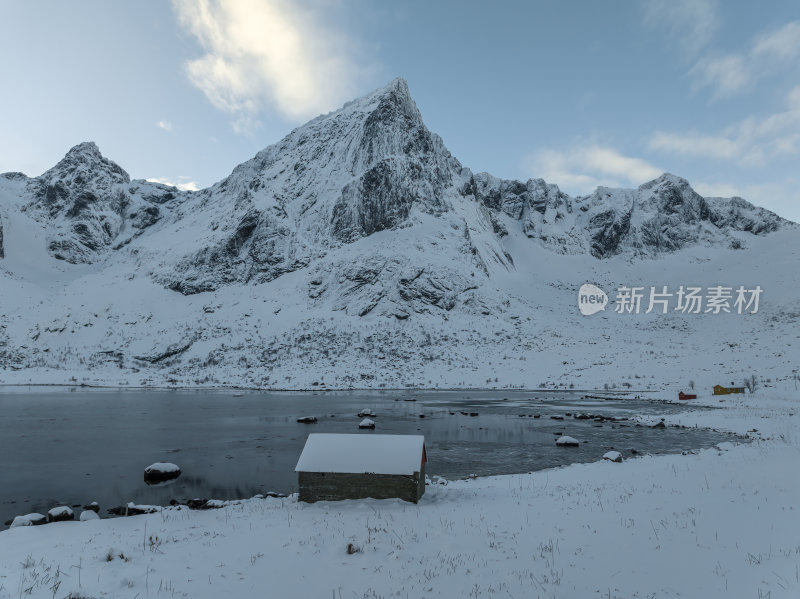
column 720, row 390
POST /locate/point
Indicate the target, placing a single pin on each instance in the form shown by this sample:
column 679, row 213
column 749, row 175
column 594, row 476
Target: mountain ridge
column 356, row 171
column 359, row 251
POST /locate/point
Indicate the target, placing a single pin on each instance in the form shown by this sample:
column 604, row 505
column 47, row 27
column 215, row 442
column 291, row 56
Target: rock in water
column 60, row 514
column 366, row 423
column 613, row 456
column 566, row 441
column 160, row 472
column 307, row 419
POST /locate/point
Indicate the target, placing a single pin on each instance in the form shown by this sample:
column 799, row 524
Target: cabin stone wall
column 326, row 486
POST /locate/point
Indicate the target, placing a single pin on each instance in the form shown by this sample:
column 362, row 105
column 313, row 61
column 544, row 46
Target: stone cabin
column 338, row 466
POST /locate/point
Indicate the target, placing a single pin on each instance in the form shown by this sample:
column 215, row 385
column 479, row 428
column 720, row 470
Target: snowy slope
column 358, row 252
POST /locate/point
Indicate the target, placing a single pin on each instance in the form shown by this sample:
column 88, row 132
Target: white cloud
column 183, row 183
column 766, row 55
column 263, row 54
column 696, row 144
column 692, row 22
column 782, row 44
column 753, row 141
column 726, row 75
column 582, row 168
column 165, row 125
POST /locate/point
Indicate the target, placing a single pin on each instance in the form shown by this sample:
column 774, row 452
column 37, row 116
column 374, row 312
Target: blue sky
column 580, row 93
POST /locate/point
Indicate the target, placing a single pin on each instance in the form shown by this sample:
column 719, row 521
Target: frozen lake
column 71, row 446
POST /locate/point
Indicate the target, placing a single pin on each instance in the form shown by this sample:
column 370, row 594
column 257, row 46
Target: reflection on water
column 74, row 446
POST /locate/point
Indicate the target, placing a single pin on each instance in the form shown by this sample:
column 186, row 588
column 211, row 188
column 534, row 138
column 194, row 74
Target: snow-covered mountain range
column 358, row 252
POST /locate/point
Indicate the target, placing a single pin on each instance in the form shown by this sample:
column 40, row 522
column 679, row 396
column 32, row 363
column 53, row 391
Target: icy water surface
column 70, row 446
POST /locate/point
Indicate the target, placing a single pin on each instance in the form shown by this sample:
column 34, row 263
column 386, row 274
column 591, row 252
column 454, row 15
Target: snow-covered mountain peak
column 88, row 204
column 343, row 176
column 84, row 164
column 395, row 92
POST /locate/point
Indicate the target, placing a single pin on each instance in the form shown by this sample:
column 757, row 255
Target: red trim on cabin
column 424, row 455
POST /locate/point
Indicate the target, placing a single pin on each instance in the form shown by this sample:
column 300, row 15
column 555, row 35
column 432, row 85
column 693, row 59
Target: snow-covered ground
column 264, row 336
column 718, row 523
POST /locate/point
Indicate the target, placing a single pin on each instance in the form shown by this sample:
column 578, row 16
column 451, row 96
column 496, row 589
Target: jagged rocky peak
column 667, row 215
column 83, row 164
column 403, row 165
column 669, row 194
column 347, row 156
column 81, row 179
column 344, row 143
column 89, row 204
column 82, row 199
column 338, row 178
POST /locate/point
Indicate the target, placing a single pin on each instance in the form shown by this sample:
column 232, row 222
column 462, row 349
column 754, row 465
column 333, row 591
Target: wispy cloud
column 582, row 168
column 165, row 125
column 692, row 22
column 752, row 141
column 183, row 183
column 262, row 54
column 766, row 55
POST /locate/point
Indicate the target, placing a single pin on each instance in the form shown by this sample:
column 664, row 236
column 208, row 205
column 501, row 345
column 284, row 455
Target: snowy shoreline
column 716, row 523
column 322, row 388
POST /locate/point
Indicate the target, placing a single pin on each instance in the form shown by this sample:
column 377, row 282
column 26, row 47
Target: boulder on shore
column 60, row 514
column 613, row 456
column 131, row 509
column 33, row 519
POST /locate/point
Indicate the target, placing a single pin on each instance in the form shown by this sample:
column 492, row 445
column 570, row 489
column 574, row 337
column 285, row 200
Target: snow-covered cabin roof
column 358, row 454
